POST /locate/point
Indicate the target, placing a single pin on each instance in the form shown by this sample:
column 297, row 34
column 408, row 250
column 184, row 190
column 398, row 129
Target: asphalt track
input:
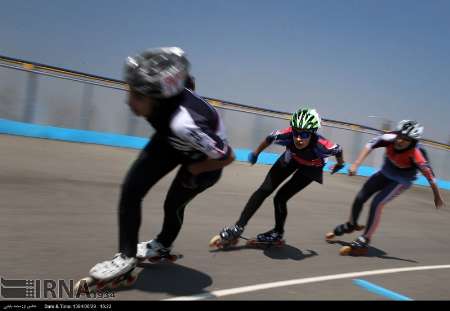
column 58, row 217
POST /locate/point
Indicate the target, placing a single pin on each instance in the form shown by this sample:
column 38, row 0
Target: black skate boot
column 229, row 236
column 358, row 247
column 343, row 229
column 271, row 237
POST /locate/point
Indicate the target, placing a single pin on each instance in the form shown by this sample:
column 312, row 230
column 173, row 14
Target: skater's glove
column 252, row 158
column 337, row 167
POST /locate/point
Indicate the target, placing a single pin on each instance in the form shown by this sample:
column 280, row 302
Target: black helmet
column 190, row 83
column 158, row 73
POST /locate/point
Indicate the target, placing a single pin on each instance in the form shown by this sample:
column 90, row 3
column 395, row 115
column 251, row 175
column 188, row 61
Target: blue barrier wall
column 126, row 141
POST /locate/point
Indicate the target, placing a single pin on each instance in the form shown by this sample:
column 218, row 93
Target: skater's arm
column 361, row 157
column 438, row 201
column 328, row 148
column 340, row 159
column 381, row 141
column 425, row 168
column 253, row 156
column 279, row 137
column 217, row 151
column 263, row 145
column 209, row 164
column 377, row 142
column 340, row 163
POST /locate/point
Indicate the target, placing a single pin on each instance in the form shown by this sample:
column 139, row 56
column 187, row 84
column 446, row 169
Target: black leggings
column 277, row 174
column 154, row 162
column 387, row 190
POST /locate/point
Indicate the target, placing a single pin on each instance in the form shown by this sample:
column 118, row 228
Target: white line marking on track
column 252, row 288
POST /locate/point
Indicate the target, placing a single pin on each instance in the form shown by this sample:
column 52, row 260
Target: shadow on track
column 373, row 252
column 275, row 252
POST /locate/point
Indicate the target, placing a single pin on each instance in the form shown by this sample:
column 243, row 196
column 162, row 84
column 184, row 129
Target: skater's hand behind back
column 337, row 167
column 252, row 157
column 353, row 170
column 438, row 202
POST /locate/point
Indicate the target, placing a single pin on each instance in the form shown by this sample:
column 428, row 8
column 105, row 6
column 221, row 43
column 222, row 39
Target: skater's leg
column 154, row 162
column 287, row 191
column 178, row 197
column 276, row 175
column 375, row 183
column 392, row 190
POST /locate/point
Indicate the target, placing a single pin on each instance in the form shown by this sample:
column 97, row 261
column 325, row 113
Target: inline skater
column 304, row 159
column 188, row 133
column 403, row 158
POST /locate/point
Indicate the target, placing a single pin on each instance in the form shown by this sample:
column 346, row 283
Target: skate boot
column 109, row 274
column 271, row 237
column 358, row 247
column 154, row 252
column 341, row 229
column 229, row 236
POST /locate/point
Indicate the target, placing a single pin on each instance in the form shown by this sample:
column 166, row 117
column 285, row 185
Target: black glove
column 337, row 167
column 252, row 158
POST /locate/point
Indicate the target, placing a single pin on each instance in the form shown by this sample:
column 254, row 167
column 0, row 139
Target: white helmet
column 410, row 128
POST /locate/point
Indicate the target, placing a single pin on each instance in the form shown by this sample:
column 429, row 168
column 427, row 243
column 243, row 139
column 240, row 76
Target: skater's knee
column 174, row 211
column 375, row 204
column 130, row 194
column 129, row 201
column 264, row 191
column 175, row 203
column 360, row 198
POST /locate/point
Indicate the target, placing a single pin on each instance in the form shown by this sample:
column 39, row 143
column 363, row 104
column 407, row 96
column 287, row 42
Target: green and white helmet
column 306, row 119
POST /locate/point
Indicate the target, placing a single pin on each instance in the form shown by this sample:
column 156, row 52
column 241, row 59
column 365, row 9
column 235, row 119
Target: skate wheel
column 158, row 259
column 276, row 244
column 101, row 286
column 344, row 251
column 329, row 236
column 115, row 284
column 359, row 227
column 215, row 242
column 360, row 251
column 131, row 279
column 167, row 258
column 154, row 259
column 281, row 243
column 172, row 258
column 252, row 242
column 175, row 257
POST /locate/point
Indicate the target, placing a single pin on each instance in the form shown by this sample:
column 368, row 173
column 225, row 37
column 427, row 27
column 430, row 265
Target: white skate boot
column 109, row 274
column 154, row 251
column 111, row 269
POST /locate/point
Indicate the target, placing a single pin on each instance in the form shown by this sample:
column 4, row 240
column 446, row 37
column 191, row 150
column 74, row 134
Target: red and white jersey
column 402, row 164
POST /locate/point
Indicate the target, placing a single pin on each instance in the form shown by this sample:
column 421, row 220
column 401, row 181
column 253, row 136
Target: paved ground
column 58, row 217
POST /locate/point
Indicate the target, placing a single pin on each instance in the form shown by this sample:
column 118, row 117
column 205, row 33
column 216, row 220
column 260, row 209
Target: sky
column 348, row 59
